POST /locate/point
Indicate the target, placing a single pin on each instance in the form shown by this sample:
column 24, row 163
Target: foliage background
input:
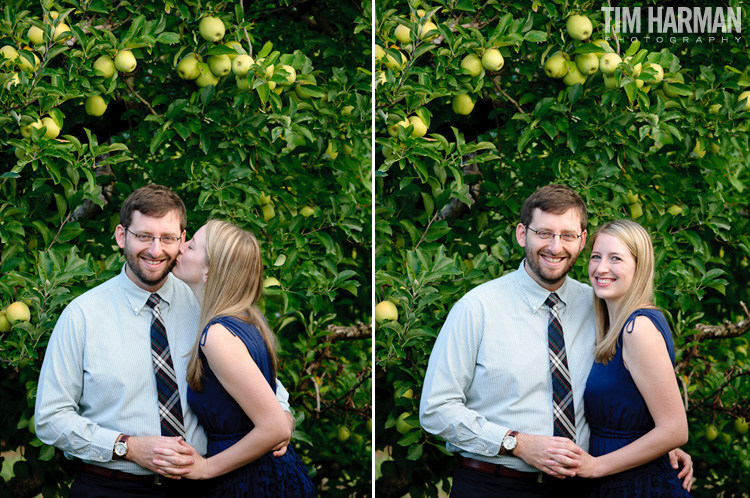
column 447, row 203
column 220, row 149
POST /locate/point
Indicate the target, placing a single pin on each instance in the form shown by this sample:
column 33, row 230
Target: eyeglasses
column 545, row 235
column 166, row 240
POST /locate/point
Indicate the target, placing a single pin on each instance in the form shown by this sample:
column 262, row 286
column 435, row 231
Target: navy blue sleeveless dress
column 226, row 423
column 618, row 415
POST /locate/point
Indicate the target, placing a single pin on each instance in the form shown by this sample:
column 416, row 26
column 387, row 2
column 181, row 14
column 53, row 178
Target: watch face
column 120, row 449
column 509, row 443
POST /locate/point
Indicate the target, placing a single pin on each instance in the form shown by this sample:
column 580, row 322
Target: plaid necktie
column 562, row 394
column 170, row 409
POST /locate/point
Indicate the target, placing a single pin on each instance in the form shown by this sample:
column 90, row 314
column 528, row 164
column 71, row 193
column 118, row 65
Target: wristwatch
column 509, row 443
column 121, row 447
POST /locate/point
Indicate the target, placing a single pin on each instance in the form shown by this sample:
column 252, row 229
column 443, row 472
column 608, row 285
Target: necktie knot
column 153, row 301
column 552, row 300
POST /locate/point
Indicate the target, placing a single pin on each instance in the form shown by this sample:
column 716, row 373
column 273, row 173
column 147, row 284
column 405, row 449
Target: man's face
column 149, row 263
column 549, row 261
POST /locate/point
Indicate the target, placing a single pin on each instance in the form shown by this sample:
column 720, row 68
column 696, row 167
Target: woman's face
column 611, row 268
column 191, row 265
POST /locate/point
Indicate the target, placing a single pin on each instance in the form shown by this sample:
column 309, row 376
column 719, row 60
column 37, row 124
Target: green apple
column 220, row 65
column 636, row 210
column 579, row 27
column 62, row 32
column 392, row 64
column 25, row 65
column 675, row 210
column 636, row 69
column 206, row 77
column 604, row 45
column 402, row 426
column 234, row 45
column 242, row 82
column 587, row 63
column 472, row 64
column 714, row 109
column 331, row 150
column 746, row 97
column 393, row 129
column 462, row 104
column 52, row 129
column 698, row 150
column 424, row 31
column 386, row 310
column 241, row 64
column 632, row 198
column 18, row 312
column 271, row 282
column 403, row 33
column 26, row 130
column 292, row 74
column 379, row 52
column 420, row 129
column 211, row 29
column 608, row 63
column 9, row 53
column 556, row 66
column 268, row 211
column 343, row 433
column 125, row 61
column 105, row 65
column 741, row 425
column 492, row 60
column 573, row 76
column 188, row 68
column 307, row 211
column 676, row 78
column 711, row 433
column 610, row 81
column 36, row 35
column 408, row 394
column 95, row 105
column 21, row 155
column 659, row 71
column 264, row 199
column 5, row 325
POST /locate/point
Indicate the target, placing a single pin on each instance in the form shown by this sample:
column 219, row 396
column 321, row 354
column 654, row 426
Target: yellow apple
column 62, row 32
column 9, row 53
column 242, row 82
column 604, row 45
column 462, row 104
column 206, row 77
column 52, row 129
column 36, row 35
column 95, row 105
column 402, row 426
column 271, row 282
column 241, row 64
column 235, row 45
column 18, row 312
column 332, row 151
column 307, row 211
column 268, row 211
column 746, row 97
column 403, row 33
column 125, row 61
column 105, row 65
column 379, row 52
column 659, row 71
column 420, row 129
column 556, row 66
column 5, row 325
column 386, row 310
column 26, row 130
column 392, row 64
column 25, row 65
column 472, row 64
column 609, row 62
column 492, row 60
column 292, row 74
column 573, row 75
column 425, row 30
column 587, row 63
column 220, row 65
column 579, row 27
column 188, row 68
column 211, row 29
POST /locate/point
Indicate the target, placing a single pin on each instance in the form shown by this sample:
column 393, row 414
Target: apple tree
column 257, row 113
column 478, row 104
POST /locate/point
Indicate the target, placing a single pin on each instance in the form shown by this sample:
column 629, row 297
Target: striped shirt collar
column 137, row 297
column 535, row 294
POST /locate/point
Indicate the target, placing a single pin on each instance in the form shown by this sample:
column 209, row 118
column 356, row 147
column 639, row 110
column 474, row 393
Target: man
column 488, row 389
column 97, row 394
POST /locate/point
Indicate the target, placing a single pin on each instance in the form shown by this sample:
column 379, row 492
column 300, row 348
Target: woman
column 632, row 401
column 231, row 373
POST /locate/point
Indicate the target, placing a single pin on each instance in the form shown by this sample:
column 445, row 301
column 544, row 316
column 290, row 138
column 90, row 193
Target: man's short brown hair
column 554, row 199
column 155, row 201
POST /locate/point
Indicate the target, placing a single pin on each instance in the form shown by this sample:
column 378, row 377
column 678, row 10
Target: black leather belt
column 121, row 476
column 499, row 470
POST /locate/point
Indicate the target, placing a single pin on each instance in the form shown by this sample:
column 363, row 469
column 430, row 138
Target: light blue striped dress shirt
column 489, row 370
column 97, row 378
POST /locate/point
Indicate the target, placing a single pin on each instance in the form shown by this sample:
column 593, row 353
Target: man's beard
column 544, row 275
column 134, row 263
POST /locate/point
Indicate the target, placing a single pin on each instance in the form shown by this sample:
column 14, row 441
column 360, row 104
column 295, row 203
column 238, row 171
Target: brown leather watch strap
column 503, row 451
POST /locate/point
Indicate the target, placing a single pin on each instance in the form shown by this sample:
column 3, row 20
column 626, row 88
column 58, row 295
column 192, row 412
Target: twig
column 499, row 88
column 130, row 87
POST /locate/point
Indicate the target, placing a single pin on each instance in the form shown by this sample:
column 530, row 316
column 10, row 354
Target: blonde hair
column 233, row 287
column 640, row 294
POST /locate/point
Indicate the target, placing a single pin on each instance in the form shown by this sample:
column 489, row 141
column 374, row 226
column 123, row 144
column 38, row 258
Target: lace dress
column 618, row 415
column 226, row 423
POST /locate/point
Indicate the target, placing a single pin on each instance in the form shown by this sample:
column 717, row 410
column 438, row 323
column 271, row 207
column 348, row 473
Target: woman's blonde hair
column 640, row 294
column 233, row 287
